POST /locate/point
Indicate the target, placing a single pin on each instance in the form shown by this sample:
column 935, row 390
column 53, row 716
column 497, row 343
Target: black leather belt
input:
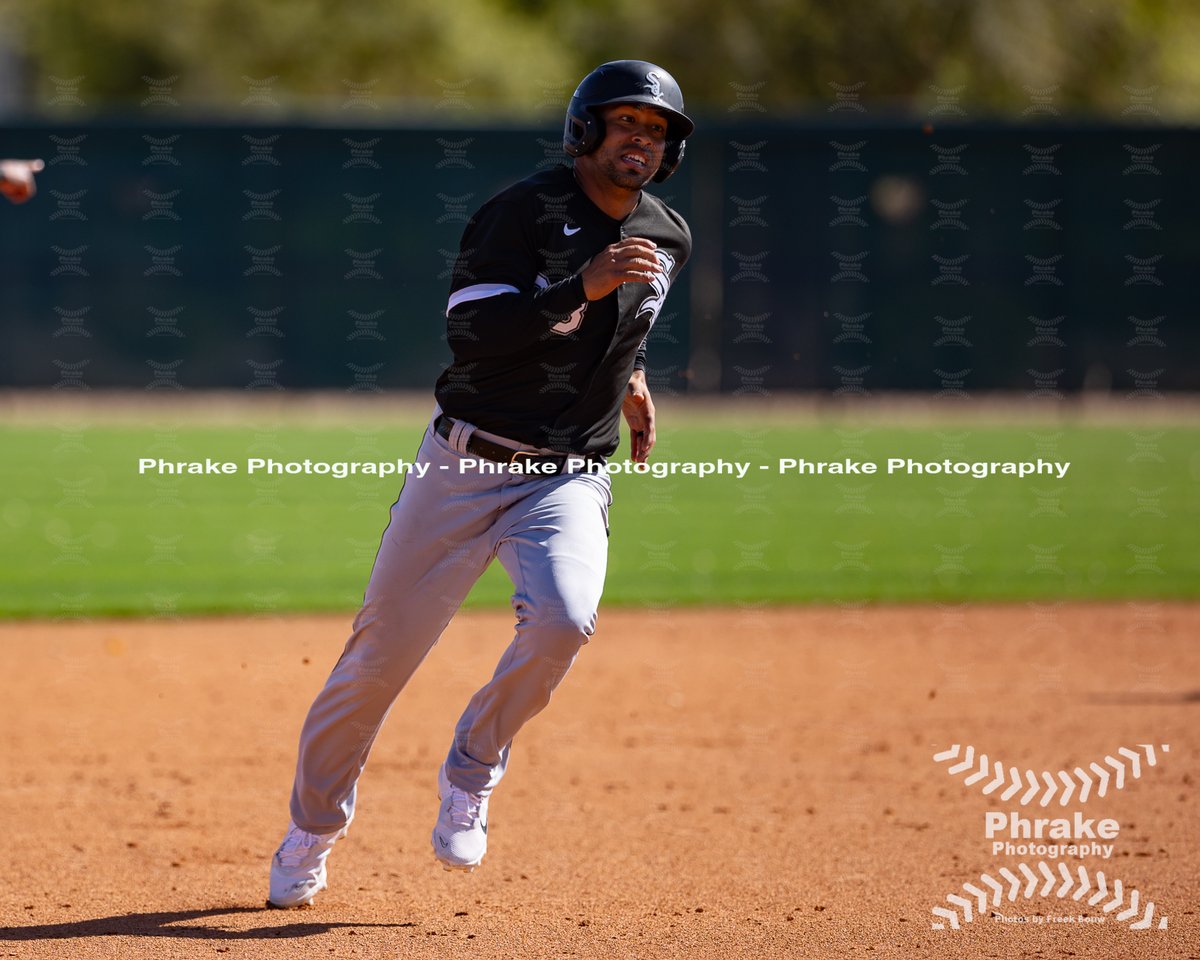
column 519, row 459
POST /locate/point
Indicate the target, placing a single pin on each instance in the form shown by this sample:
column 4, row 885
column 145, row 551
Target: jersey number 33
column 659, row 286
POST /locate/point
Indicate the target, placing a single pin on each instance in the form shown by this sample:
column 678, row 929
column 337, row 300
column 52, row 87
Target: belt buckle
column 523, row 453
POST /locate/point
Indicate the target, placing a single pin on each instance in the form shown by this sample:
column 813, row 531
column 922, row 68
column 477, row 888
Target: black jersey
column 533, row 359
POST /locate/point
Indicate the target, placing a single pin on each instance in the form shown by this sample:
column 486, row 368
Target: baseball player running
column 558, row 281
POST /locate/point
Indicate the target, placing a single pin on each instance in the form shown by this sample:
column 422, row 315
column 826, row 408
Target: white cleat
column 298, row 868
column 460, row 836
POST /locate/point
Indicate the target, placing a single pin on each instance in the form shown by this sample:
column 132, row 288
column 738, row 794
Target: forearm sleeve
column 492, row 320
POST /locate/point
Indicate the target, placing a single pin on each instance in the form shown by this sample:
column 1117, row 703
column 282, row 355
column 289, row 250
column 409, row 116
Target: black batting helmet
column 627, row 81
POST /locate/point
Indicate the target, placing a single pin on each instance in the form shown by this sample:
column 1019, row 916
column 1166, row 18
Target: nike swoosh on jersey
column 568, row 232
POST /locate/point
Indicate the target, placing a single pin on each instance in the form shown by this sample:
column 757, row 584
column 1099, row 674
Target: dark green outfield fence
column 832, row 256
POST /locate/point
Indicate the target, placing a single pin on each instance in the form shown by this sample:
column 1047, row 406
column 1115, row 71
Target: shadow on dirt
column 165, row 925
column 1145, row 699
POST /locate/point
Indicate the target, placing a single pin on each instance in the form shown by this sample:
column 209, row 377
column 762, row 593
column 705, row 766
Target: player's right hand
column 628, row 260
column 16, row 178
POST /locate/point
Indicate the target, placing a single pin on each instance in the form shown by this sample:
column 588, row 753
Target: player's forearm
column 639, row 359
column 508, row 323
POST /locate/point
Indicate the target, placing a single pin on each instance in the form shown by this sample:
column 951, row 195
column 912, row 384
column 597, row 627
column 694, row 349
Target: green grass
column 84, row 534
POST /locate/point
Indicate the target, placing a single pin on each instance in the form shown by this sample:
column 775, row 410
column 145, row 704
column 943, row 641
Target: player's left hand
column 638, row 409
column 16, row 178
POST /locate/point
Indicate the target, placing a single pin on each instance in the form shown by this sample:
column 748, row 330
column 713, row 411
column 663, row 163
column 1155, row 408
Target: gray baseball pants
column 551, row 535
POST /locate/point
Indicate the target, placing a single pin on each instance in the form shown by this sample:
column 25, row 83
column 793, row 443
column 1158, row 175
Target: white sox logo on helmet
column 653, row 86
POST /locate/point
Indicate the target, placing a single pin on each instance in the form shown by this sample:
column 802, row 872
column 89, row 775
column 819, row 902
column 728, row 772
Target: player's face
column 634, row 138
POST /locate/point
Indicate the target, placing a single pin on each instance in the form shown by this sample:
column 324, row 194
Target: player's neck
column 611, row 199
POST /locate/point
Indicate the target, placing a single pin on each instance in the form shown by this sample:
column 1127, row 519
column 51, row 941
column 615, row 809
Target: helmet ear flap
column 672, row 154
column 582, row 132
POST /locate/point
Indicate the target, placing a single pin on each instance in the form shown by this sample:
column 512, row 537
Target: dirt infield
column 754, row 783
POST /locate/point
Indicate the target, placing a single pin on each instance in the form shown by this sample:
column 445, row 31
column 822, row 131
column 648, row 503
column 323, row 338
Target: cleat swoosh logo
column 443, row 843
